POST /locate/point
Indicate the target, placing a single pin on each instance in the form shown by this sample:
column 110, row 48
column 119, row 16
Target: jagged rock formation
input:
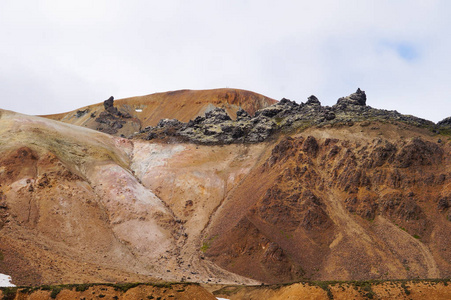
column 445, row 122
column 358, row 98
column 216, row 127
column 111, row 119
column 344, row 192
column 148, row 110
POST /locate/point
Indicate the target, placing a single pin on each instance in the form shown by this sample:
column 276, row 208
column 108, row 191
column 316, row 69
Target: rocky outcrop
column 446, row 122
column 217, row 127
column 328, row 203
column 111, row 119
column 357, row 98
column 148, row 110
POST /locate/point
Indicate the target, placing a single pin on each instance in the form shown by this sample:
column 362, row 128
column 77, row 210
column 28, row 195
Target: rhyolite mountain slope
column 130, row 115
column 294, row 191
column 76, row 205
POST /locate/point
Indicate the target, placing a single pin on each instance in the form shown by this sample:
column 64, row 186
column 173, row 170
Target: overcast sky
column 57, row 56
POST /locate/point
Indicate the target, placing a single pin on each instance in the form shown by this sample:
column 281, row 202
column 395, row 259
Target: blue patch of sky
column 405, row 50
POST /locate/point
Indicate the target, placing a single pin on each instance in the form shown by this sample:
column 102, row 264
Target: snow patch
column 5, row 281
column 221, row 298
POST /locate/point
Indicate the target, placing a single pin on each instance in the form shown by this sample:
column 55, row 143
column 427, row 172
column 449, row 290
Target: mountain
column 285, row 193
column 127, row 116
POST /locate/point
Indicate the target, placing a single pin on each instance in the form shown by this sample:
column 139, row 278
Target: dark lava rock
column 312, row 100
column 169, row 123
column 216, row 126
column 445, row 122
column 81, row 113
column 111, row 119
column 109, row 103
column 357, row 98
column 287, row 102
column 241, row 115
column 198, row 120
column 109, row 107
column 328, row 115
column 216, row 116
column 261, row 130
column 270, row 111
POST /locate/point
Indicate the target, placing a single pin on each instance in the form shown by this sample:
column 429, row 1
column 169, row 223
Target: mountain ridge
column 143, row 111
column 328, row 199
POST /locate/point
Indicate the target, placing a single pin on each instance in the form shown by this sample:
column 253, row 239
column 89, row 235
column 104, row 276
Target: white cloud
column 60, row 55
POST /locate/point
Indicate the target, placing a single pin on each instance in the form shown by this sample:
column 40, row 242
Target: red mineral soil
column 368, row 200
column 183, row 105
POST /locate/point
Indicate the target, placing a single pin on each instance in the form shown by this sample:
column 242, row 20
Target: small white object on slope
column 5, row 281
column 221, row 298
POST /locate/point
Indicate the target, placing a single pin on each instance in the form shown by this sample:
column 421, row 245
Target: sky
column 57, row 56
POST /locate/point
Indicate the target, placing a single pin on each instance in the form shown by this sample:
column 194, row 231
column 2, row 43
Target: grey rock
column 270, row 111
column 169, row 123
column 241, row 115
column 445, row 122
column 357, row 98
column 216, row 116
column 108, row 103
column 81, row 113
column 287, row 102
column 216, row 127
column 328, row 115
column 312, row 100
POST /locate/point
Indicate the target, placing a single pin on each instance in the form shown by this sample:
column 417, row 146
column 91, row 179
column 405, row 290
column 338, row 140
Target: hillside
column 396, row 289
column 345, row 203
column 80, row 201
column 136, row 113
column 303, row 192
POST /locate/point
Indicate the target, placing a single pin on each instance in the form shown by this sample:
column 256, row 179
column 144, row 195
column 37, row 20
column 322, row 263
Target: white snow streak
column 5, row 281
